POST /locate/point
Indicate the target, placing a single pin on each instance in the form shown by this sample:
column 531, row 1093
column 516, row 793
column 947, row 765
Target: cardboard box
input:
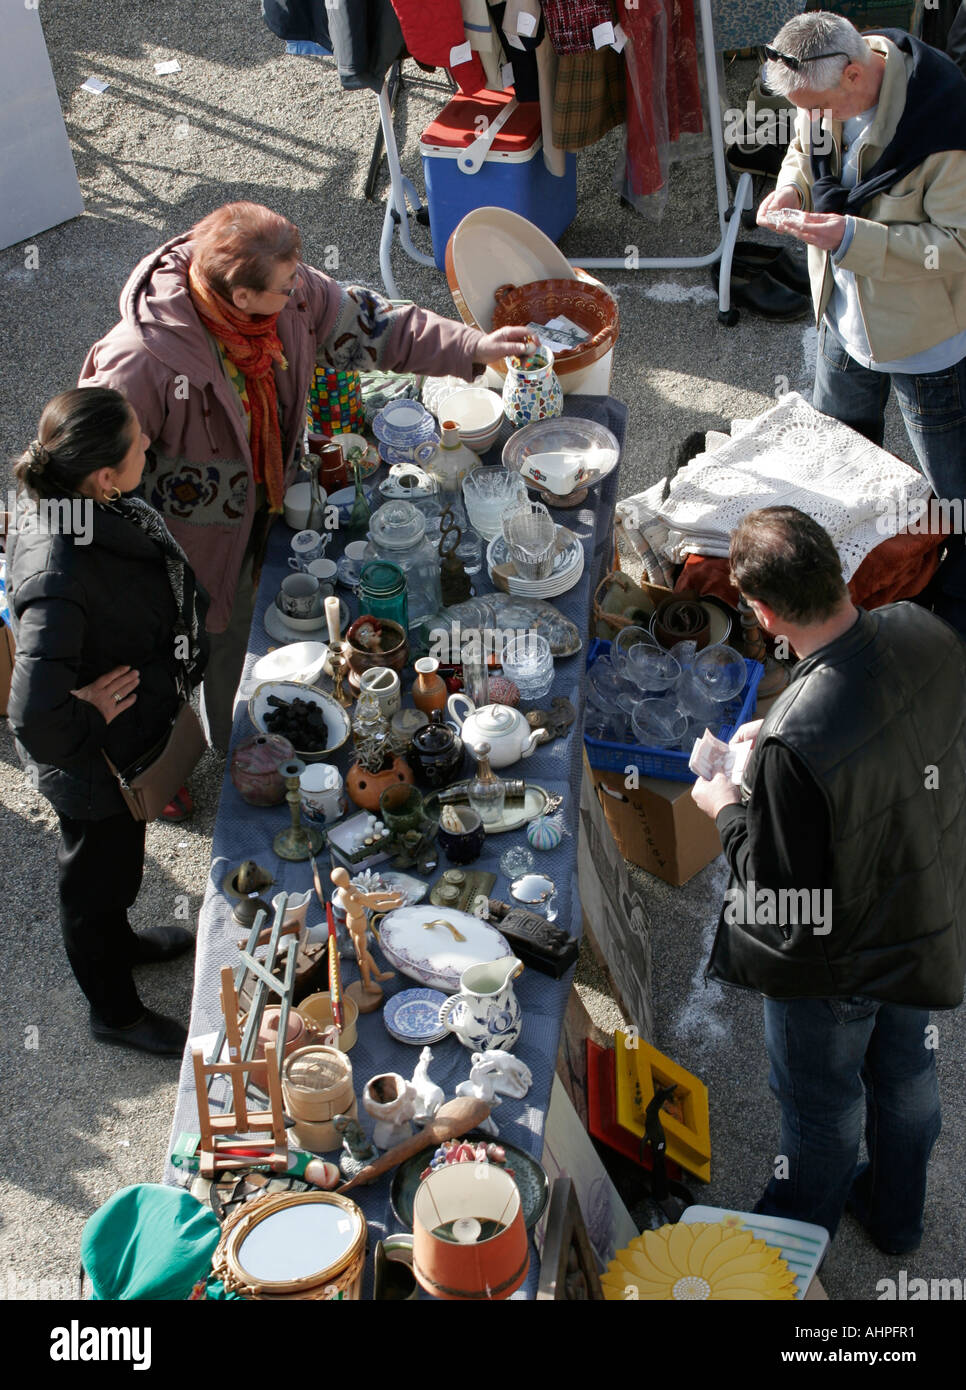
column 6, row 665
column 657, row 826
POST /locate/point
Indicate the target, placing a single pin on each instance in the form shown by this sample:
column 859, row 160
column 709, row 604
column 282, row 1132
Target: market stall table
column 245, row 832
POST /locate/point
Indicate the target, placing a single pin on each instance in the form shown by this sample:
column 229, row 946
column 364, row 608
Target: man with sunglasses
column 875, row 184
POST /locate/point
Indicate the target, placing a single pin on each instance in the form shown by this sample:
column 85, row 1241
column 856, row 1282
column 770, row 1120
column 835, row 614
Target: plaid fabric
column 588, row 99
column 570, row 23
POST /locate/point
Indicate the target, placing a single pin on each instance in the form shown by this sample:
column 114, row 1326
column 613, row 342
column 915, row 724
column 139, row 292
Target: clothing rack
column 402, row 191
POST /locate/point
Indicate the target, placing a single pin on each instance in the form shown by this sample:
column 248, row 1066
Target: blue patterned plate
column 412, row 1016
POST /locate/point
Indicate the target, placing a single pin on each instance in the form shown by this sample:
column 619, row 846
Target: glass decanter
column 486, row 792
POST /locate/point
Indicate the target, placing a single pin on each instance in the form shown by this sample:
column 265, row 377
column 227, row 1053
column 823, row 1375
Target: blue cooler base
column 550, row 203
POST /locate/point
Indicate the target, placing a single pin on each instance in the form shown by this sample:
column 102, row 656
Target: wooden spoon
column 453, row 1118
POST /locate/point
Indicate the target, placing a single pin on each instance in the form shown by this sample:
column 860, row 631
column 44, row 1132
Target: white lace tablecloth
column 791, row 455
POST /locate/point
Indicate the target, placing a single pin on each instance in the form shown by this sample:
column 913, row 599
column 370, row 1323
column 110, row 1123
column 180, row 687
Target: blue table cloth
column 246, row 832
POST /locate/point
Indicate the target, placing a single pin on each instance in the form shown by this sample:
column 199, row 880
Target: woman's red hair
column 239, row 245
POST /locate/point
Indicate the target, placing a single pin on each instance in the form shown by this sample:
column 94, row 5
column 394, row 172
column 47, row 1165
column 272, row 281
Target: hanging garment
column 484, row 40
column 432, row 29
column 522, row 59
column 663, row 94
column 554, row 157
column 589, row 98
column 364, row 35
column 571, row 23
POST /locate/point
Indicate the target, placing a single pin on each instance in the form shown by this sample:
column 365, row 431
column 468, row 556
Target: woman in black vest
column 107, row 620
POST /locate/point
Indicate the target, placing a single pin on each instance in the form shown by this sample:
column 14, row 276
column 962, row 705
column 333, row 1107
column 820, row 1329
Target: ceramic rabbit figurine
column 429, row 1096
column 480, row 1087
column 509, row 1076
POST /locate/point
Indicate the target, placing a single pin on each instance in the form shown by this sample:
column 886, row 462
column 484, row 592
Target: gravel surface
column 243, row 120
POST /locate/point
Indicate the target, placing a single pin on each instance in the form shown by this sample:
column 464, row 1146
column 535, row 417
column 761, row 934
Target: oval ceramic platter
column 528, row 1175
column 434, row 945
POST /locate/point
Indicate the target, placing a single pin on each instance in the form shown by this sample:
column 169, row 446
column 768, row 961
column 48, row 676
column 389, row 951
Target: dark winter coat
column 78, row 611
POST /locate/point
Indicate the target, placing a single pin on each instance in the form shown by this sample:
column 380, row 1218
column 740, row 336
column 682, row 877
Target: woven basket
column 317, row 1084
column 587, row 305
column 620, row 603
column 343, row 1279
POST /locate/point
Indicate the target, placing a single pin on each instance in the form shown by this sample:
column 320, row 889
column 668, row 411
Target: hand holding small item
column 112, row 693
column 710, row 797
column 512, row 341
column 747, row 733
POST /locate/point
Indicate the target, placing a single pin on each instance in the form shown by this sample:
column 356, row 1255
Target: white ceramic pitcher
column 485, row 1013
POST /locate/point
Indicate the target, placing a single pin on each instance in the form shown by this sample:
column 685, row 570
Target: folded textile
column 589, row 98
column 791, row 455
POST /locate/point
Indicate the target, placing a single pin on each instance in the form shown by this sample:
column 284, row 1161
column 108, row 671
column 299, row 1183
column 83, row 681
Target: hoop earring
column 114, row 495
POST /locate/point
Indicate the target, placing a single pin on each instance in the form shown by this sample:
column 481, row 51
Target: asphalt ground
column 243, row 120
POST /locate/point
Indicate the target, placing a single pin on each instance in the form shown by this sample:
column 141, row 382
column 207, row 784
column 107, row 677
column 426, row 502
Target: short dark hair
column 240, row 244
column 80, row 431
column 784, row 558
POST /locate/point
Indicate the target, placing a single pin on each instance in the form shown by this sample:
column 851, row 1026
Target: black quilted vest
column 879, row 719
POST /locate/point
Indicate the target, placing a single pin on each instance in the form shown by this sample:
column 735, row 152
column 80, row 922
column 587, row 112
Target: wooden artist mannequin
column 366, row 991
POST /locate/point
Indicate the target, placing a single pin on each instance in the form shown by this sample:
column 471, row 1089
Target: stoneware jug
column 485, row 1013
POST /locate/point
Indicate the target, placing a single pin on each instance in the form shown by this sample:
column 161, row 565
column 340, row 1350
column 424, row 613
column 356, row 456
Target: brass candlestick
column 299, row 841
column 339, row 667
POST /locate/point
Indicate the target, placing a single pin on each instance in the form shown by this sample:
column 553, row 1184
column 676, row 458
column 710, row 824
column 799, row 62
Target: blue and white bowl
column 412, row 1016
column 403, row 424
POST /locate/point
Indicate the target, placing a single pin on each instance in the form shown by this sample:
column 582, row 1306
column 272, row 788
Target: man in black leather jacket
column 846, row 905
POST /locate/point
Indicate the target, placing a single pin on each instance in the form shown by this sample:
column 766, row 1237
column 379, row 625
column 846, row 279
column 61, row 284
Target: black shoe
column 159, row 944
column 764, row 160
column 165, row 1037
column 779, row 262
column 760, row 294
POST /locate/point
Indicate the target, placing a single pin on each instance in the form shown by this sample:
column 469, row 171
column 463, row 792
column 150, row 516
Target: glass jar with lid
column 382, row 592
column 397, row 534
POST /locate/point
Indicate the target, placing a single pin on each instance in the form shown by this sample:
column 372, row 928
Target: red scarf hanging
column 253, row 345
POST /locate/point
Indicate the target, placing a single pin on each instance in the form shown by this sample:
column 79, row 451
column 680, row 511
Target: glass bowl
column 721, row 672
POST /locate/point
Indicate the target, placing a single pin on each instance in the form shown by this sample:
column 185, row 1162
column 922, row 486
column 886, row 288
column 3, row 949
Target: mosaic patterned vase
column 335, row 403
column 531, row 390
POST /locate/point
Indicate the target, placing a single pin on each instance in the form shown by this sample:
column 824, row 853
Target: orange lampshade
column 469, row 1237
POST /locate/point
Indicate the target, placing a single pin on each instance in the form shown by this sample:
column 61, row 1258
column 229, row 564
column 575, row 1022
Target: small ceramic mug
column 325, row 572
column 463, row 847
column 384, row 684
column 320, row 791
column 300, row 596
column 306, row 547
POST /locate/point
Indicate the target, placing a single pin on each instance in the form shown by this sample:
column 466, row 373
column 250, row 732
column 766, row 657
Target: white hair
column 804, row 37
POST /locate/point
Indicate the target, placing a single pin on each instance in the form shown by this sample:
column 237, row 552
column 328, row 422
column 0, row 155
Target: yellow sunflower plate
column 704, row 1261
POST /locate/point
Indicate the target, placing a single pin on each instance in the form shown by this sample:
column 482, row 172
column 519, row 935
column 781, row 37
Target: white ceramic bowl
column 479, row 414
column 298, row 661
column 336, row 720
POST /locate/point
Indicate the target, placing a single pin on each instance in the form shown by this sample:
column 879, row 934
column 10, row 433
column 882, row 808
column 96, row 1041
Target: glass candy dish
column 721, row 672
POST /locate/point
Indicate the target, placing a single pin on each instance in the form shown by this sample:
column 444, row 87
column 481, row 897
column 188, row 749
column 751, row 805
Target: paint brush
column 335, row 973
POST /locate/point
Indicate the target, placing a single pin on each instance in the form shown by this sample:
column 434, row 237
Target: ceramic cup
column 384, row 684
column 463, row 848
column 298, row 505
column 324, row 571
column 306, row 547
column 320, row 791
column 300, row 596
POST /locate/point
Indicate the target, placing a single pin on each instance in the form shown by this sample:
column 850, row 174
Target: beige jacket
column 908, row 253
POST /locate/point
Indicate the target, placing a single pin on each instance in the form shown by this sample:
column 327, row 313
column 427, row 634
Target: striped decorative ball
column 544, row 833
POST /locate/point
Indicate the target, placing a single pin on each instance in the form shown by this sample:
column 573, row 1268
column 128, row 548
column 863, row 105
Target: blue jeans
column 830, row 1060
column 933, row 406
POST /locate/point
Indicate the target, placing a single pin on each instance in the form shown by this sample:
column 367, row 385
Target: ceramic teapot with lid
column 436, row 754
column 504, row 729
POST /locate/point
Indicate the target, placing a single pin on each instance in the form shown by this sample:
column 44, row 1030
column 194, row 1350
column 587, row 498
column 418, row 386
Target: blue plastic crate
column 661, row 762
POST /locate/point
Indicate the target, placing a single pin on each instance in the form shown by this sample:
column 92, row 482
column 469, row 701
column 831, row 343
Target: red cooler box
column 512, row 174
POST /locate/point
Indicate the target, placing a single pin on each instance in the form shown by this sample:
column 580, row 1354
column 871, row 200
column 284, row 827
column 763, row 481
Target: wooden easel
column 220, row 1133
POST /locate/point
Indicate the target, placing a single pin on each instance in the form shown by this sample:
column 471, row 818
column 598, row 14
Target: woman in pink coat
column 221, row 330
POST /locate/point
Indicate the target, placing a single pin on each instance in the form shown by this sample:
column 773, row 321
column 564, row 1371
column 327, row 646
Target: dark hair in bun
column 79, row 432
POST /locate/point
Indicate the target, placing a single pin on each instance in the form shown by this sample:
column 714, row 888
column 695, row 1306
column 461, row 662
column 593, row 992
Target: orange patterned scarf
column 253, row 345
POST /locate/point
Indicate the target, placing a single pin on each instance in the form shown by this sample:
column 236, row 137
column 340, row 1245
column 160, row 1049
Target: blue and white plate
column 412, row 1016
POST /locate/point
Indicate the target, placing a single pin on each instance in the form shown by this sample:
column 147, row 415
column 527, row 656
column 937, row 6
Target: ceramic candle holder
column 391, row 1101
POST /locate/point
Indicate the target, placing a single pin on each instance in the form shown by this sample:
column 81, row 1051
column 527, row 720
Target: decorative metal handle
column 441, row 922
